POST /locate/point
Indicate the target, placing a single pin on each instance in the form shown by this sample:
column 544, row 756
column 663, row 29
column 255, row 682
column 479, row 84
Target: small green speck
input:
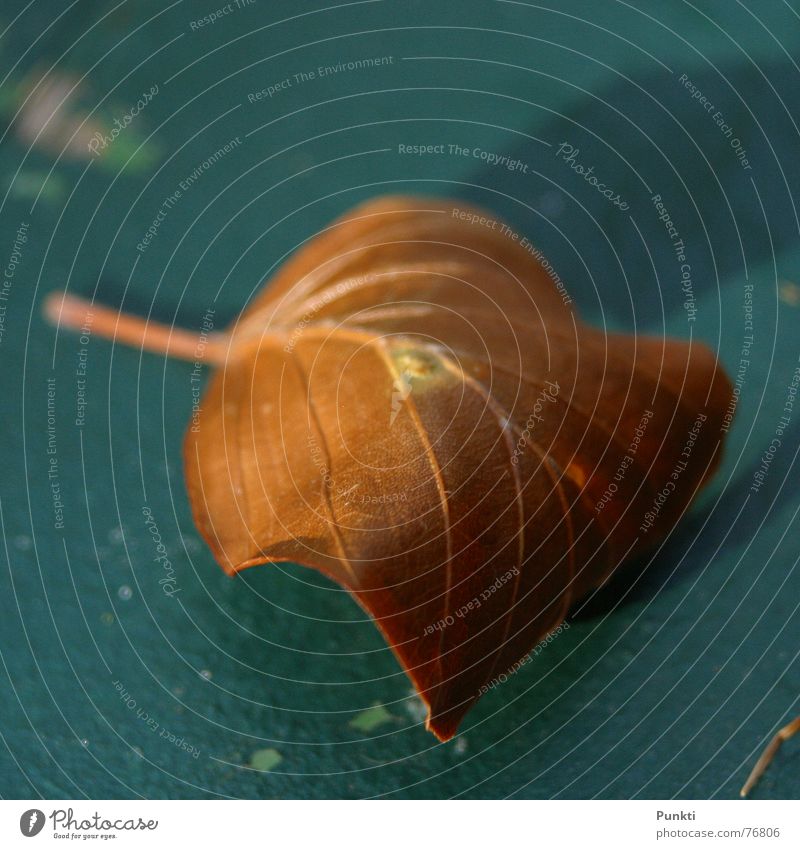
column 28, row 185
column 127, row 150
column 371, row 719
column 265, row 760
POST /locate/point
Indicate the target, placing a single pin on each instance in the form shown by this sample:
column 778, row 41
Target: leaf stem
column 76, row 313
column 769, row 753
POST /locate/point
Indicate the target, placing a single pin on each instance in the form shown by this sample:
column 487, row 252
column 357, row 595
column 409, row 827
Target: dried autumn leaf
column 411, row 408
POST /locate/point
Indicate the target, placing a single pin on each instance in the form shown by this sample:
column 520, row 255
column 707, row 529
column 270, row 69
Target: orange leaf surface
column 412, row 407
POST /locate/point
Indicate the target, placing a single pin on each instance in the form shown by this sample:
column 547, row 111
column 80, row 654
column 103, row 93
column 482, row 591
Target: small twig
column 75, row 313
column 768, row 754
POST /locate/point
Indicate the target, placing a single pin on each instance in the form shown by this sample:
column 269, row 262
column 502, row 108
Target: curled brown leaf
column 413, row 408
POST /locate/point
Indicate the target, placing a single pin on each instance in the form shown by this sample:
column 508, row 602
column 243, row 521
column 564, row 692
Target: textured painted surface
column 664, row 685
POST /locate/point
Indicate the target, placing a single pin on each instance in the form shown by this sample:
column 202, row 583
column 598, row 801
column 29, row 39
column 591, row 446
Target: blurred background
column 166, row 159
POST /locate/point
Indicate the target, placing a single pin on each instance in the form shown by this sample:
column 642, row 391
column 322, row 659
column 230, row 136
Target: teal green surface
column 670, row 680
